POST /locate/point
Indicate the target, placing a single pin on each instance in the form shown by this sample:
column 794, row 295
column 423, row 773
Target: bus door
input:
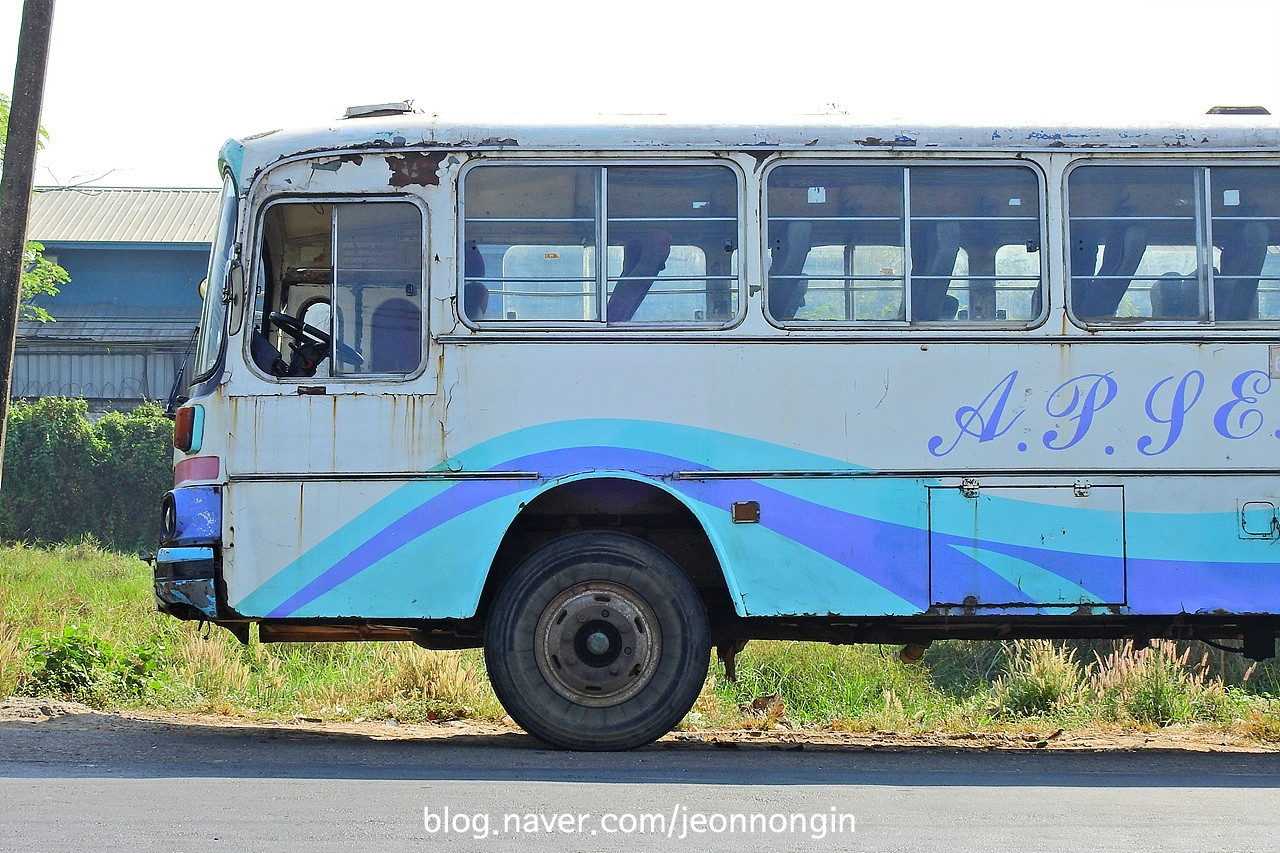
column 336, row 416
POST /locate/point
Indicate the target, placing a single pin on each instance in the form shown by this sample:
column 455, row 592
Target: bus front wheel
column 597, row 641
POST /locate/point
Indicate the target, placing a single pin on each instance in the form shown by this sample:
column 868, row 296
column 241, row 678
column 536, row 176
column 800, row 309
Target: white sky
column 143, row 92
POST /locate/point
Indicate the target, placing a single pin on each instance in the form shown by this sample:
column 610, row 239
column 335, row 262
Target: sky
column 144, row 92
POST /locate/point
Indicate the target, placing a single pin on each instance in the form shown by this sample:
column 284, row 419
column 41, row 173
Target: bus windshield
column 213, row 316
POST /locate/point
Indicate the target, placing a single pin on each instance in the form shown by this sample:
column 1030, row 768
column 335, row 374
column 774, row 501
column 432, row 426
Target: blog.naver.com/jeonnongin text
column 677, row 824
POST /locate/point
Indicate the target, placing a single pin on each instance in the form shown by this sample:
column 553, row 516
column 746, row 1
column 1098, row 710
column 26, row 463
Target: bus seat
column 642, row 259
column 950, row 307
column 933, row 261
column 1243, row 254
column 1100, row 297
column 395, row 338
column 266, row 356
column 1173, row 297
column 786, row 295
column 475, row 295
column 475, row 299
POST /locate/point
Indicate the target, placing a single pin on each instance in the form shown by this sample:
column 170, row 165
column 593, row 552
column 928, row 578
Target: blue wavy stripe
column 417, row 522
column 883, row 552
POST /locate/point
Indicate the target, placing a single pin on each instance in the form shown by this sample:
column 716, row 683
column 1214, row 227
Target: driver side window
column 339, row 289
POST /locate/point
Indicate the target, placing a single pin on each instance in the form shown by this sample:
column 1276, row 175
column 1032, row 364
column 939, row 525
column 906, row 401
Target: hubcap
column 597, row 644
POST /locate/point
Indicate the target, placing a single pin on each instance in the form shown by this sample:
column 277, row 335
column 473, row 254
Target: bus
column 602, row 397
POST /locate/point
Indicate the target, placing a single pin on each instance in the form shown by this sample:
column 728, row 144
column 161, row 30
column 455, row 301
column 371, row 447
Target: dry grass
column 12, row 660
column 453, row 683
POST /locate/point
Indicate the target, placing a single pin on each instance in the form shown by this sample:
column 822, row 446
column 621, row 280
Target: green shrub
column 136, row 471
column 66, row 477
column 77, row 665
column 51, row 452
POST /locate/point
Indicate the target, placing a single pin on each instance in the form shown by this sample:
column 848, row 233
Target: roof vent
column 374, row 110
column 1239, row 111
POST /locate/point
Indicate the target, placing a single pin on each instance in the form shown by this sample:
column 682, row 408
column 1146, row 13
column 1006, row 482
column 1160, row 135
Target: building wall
column 143, row 277
column 121, row 324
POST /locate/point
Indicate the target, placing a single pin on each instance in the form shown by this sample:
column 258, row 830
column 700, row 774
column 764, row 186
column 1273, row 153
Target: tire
column 597, row 641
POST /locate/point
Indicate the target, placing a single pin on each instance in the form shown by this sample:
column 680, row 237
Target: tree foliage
column 40, row 276
column 66, row 477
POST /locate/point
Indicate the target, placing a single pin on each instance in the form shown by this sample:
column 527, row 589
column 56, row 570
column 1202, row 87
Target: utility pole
column 15, row 186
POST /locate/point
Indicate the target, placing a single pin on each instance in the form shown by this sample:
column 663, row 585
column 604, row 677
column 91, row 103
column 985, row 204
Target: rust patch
column 415, row 167
column 337, row 163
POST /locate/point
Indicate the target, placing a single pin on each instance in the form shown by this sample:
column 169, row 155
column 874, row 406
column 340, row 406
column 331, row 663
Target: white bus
column 599, row 397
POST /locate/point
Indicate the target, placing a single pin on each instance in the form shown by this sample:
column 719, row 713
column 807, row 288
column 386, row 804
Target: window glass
column 1133, row 251
column 1245, row 229
column 340, row 289
column 840, row 236
column 529, row 247
column 531, row 235
column 836, row 243
column 377, row 279
column 672, row 231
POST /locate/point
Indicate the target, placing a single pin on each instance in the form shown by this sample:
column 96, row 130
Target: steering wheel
column 308, row 335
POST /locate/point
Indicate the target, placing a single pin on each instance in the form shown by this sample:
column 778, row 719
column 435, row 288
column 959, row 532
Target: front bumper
column 184, row 581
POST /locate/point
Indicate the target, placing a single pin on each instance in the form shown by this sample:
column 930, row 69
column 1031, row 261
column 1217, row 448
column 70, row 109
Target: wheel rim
column 598, row 644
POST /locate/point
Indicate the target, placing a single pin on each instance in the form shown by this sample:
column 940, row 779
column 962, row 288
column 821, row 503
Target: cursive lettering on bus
column 1179, row 406
column 983, row 420
column 1081, row 408
column 1260, row 385
column 1075, row 406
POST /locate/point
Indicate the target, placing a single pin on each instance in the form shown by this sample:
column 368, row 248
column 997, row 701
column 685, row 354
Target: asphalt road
column 87, row 783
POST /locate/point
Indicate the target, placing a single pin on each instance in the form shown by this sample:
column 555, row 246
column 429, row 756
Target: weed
column 1156, row 686
column 71, row 665
column 1040, row 678
column 77, row 665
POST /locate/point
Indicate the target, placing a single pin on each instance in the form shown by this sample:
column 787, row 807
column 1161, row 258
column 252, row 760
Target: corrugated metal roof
column 112, row 324
column 101, row 215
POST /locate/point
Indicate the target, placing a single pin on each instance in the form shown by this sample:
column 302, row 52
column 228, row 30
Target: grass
column 94, row 610
column 78, row 622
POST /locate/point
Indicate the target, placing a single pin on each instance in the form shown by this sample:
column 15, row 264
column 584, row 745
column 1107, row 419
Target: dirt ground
column 19, row 709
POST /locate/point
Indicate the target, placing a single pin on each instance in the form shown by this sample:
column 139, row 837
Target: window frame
column 257, row 288
column 602, row 326
column 929, row 326
column 1203, row 226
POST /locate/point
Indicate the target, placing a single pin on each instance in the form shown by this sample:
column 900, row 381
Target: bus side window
column 340, row 289
column 1245, row 224
column 839, row 236
column 1177, row 243
column 670, row 251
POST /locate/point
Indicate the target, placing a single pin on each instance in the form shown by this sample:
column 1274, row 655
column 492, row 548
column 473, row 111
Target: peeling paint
column 415, row 167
